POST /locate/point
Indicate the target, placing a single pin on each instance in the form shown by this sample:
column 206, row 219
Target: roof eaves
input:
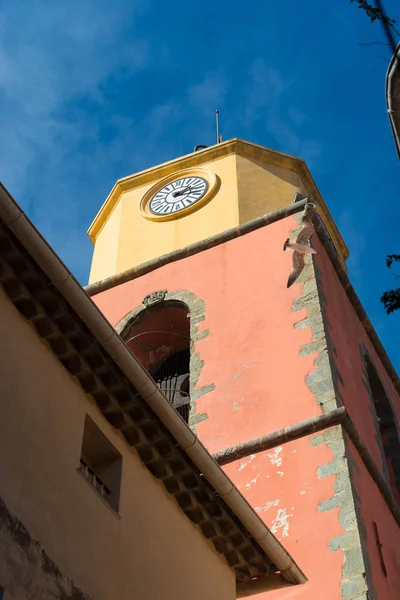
column 46, row 293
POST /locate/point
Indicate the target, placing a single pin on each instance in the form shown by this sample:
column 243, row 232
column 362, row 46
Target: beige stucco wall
column 138, row 239
column 263, row 188
column 105, row 258
column 248, row 189
column 151, row 552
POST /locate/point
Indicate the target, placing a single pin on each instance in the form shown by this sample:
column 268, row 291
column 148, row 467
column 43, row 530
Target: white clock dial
column 178, row 195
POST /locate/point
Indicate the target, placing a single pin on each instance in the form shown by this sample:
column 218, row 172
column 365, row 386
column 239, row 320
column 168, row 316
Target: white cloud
column 58, row 62
column 54, row 56
column 269, row 83
column 263, row 92
column 52, row 53
column 266, row 95
column 210, row 93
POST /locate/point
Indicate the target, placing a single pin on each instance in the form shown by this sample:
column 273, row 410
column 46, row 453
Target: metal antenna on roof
column 219, row 136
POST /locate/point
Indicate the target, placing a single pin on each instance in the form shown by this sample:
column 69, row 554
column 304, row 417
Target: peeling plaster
column 244, row 368
column 266, row 506
column 244, row 464
column 236, row 403
column 248, row 485
column 281, row 521
column 324, row 382
column 274, row 456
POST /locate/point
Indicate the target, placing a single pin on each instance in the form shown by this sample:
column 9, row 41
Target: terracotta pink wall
column 282, row 486
column 373, row 508
column 252, row 351
column 251, row 355
column 347, row 332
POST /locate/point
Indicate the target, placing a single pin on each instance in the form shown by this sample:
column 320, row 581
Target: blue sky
column 93, row 91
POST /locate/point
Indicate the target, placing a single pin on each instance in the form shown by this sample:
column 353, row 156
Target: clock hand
column 186, row 190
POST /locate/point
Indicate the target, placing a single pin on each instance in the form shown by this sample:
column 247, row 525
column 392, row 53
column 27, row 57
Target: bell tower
column 289, row 388
column 192, row 198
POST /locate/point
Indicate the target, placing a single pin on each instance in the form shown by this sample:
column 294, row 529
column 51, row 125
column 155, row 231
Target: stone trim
column 325, row 239
column 359, row 309
column 154, row 298
column 324, row 379
column 356, row 572
column 338, row 416
column 280, row 437
column 220, row 238
column 324, row 382
column 196, row 308
column 197, row 314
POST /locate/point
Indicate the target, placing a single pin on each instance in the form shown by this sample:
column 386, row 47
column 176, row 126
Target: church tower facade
column 289, row 388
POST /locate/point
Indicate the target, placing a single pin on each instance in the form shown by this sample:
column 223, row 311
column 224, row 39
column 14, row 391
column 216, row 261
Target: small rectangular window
column 100, row 464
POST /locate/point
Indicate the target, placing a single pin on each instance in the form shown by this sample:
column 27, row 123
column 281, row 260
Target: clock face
column 178, row 195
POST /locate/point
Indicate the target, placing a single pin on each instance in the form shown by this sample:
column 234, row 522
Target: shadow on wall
column 386, row 425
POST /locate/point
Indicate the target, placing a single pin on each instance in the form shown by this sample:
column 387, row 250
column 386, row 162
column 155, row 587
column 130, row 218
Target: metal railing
column 94, row 479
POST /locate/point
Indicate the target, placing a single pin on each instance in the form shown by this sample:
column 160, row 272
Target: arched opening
column 387, row 426
column 159, row 337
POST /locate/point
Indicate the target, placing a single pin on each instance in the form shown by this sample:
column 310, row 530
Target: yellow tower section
column 194, row 197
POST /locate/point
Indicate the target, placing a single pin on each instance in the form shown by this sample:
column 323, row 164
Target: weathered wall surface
column 288, row 486
column 132, row 239
column 247, row 339
column 373, row 509
column 347, row 334
column 253, row 363
column 263, row 362
column 348, row 338
column 70, row 541
column 26, row 571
